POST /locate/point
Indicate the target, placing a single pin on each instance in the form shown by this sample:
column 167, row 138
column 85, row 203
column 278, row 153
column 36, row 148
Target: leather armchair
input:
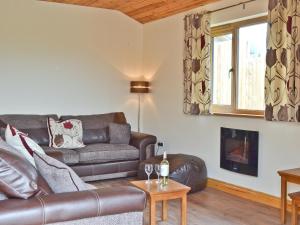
column 145, row 143
column 55, row 208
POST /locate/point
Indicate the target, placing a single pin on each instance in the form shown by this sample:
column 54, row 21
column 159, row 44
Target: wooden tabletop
column 291, row 172
column 156, row 189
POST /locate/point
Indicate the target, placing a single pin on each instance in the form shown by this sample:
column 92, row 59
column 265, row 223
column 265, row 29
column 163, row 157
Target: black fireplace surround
column 239, row 151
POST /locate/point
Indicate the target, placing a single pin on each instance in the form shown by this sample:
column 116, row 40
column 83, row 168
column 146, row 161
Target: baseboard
column 246, row 193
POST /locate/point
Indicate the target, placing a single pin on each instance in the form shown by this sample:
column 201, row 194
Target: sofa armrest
column 145, row 143
column 72, row 206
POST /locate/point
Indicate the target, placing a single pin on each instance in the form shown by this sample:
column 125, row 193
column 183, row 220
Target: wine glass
column 157, row 171
column 148, row 170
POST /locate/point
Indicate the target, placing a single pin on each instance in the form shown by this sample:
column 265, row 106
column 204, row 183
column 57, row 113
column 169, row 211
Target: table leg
column 183, row 209
column 294, row 213
column 164, row 210
column 283, row 200
column 152, row 212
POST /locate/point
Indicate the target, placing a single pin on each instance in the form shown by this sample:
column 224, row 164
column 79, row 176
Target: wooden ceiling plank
column 165, row 12
column 133, row 5
column 148, row 8
column 142, row 10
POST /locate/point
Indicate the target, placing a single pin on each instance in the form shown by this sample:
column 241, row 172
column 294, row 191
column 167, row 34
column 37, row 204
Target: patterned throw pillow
column 65, row 134
column 21, row 142
column 58, row 175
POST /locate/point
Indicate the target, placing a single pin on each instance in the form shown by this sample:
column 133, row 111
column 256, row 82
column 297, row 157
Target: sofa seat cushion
column 69, row 156
column 102, row 153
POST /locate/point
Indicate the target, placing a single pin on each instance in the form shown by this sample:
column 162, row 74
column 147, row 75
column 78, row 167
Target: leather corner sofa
column 119, row 205
column 32, row 202
column 98, row 160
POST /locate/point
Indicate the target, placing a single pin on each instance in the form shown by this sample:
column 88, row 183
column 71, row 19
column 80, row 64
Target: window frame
column 233, row 28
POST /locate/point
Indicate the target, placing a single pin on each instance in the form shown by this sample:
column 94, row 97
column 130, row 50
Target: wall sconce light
column 139, row 87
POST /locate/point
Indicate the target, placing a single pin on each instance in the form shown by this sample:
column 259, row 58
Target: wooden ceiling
column 142, row 10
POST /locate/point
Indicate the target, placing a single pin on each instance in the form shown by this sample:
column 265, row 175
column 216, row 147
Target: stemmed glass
column 148, row 170
column 157, row 171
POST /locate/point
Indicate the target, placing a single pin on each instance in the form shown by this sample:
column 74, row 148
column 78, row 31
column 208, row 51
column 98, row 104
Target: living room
column 63, row 57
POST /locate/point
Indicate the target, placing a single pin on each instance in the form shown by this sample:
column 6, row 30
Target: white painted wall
column 279, row 144
column 67, row 59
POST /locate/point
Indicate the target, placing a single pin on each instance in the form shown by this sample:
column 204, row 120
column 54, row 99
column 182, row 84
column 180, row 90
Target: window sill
column 253, row 116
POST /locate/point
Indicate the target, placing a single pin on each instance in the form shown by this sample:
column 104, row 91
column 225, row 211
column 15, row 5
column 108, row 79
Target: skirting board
column 246, row 193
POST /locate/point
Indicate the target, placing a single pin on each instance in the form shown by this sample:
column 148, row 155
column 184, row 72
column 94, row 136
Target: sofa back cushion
column 95, row 127
column 93, row 136
column 33, row 125
column 119, row 133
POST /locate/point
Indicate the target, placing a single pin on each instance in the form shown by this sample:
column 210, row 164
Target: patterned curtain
column 197, row 89
column 282, row 80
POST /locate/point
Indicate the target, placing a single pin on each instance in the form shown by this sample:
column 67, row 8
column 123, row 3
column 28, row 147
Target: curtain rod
column 231, row 6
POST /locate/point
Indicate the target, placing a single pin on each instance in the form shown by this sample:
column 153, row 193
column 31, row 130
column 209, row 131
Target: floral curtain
column 282, row 80
column 196, row 63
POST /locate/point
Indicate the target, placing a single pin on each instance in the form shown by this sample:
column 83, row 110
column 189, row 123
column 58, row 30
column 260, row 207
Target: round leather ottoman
column 185, row 169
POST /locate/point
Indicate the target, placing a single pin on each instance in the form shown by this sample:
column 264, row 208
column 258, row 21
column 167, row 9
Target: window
column 238, row 58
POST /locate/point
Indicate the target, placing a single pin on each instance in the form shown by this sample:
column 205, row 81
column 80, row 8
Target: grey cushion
column 59, row 176
column 119, row 133
column 70, row 156
column 101, row 153
column 34, row 125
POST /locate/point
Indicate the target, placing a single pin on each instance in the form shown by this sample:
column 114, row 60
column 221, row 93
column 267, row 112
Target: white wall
column 67, row 59
column 200, row 135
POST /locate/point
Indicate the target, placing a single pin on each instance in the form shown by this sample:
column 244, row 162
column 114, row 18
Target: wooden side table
column 292, row 176
column 155, row 192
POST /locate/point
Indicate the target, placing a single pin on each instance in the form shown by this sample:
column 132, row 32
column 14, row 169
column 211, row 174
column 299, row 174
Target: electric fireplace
column 239, row 151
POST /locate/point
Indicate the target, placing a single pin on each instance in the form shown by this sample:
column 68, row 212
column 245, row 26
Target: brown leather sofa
column 107, row 206
column 99, row 159
column 100, row 206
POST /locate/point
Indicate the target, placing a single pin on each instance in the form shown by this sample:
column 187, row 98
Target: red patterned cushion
column 65, row 134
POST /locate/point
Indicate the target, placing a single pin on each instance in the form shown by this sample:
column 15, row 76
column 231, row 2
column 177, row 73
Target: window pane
column 222, row 63
column 251, row 71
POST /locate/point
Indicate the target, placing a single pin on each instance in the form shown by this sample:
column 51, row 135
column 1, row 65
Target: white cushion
column 21, row 142
column 65, row 134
